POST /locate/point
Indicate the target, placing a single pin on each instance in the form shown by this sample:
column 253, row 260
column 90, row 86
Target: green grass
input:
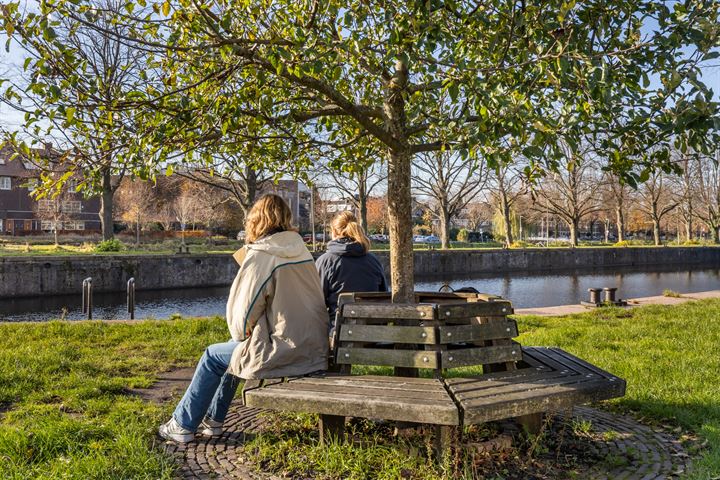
column 64, row 388
column 67, row 414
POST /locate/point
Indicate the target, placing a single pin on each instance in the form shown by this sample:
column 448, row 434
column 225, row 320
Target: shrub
column 520, row 244
column 624, row 243
column 671, row 293
column 463, row 235
column 113, row 245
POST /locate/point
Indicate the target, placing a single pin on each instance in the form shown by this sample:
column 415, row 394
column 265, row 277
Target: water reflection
column 524, row 289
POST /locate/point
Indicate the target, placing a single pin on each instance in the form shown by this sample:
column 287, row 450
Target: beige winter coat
column 277, row 311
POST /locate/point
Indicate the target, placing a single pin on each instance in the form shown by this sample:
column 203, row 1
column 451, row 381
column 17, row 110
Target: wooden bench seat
column 439, row 333
column 551, row 379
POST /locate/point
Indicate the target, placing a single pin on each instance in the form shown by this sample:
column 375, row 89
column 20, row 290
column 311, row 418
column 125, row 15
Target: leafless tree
column 656, row 200
column 688, row 189
column 616, row 197
column 572, row 192
column 357, row 185
column 135, row 202
column 707, row 171
column 507, row 188
column 449, row 182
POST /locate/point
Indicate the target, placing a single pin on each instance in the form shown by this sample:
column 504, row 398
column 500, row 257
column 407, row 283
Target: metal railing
column 87, row 300
column 131, row 298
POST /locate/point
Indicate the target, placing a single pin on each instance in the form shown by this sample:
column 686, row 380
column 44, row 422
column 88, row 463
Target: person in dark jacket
column 347, row 266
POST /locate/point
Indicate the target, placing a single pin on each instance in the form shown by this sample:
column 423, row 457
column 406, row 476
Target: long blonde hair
column 269, row 213
column 346, row 225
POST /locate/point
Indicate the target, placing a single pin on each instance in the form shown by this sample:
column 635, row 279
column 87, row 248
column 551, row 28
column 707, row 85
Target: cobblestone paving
column 631, row 451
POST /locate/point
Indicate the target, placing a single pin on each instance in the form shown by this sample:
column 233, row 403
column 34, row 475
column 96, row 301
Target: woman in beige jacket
column 277, row 319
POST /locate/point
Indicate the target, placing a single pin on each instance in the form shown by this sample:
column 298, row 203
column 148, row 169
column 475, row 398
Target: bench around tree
column 439, row 333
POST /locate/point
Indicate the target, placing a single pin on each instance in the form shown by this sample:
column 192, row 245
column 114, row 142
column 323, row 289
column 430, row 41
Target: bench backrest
column 441, row 331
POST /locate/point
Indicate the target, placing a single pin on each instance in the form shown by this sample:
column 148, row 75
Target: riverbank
column 68, row 407
column 63, row 275
column 670, row 298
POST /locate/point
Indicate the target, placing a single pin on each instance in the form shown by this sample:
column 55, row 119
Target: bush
column 520, row 244
column 624, row 243
column 113, row 245
column 463, row 235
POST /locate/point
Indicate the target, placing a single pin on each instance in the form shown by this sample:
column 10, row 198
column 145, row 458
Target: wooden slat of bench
column 478, row 332
column 400, row 383
column 365, row 390
column 540, row 400
column 568, row 358
column 481, row 355
column 469, row 386
column 487, row 389
column 439, row 412
column 474, row 309
column 385, row 333
column 385, row 357
column 407, row 311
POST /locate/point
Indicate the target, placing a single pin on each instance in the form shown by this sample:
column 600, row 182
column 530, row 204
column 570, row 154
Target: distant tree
column 656, row 200
column 450, row 183
column 707, row 171
column 377, row 214
column 571, row 193
column 135, row 202
column 617, row 197
column 56, row 210
column 507, row 187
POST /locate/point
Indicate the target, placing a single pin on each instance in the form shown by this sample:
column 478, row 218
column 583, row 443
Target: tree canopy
column 485, row 79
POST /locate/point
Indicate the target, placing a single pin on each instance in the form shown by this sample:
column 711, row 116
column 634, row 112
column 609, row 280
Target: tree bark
column 400, row 226
column 656, row 231
column 715, row 233
column 106, row 207
column 362, row 204
column 573, row 225
column 505, row 207
column 620, row 223
column 444, row 228
column 137, row 229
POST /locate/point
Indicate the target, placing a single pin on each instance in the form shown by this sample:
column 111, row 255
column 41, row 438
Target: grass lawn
column 66, row 414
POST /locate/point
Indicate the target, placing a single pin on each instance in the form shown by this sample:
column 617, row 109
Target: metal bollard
column 131, row 298
column 87, row 302
column 609, row 294
column 594, row 295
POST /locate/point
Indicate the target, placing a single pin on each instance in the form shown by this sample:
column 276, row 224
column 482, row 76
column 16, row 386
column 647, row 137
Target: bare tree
column 687, row 186
column 571, row 193
column 617, row 196
column 507, row 188
column 136, row 200
column 358, row 184
column 656, row 200
column 450, row 182
column 54, row 212
column 707, row 171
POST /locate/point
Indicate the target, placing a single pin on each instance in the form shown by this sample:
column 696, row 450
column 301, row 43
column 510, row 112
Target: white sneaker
column 211, row 428
column 173, row 431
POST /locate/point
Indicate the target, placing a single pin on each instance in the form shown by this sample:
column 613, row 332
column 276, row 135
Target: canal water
column 524, row 290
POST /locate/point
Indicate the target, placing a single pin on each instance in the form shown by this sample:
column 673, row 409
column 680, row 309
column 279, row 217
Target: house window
column 73, row 225
column 71, row 206
column 45, row 205
column 47, row 225
column 5, row 183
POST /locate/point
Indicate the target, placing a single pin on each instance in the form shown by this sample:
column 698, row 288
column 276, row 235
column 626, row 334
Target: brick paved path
column 639, row 452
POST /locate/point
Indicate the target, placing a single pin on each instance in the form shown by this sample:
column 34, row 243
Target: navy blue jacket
column 346, row 267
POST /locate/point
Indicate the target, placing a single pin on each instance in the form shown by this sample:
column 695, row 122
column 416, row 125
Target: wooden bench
column 438, row 333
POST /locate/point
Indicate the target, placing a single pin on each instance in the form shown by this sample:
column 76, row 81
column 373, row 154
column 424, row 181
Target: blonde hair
column 269, row 213
column 346, row 225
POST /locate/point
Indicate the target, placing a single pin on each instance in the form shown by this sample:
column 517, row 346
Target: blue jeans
column 211, row 390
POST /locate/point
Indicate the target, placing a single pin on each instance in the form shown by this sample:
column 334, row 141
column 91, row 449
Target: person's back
column 347, row 266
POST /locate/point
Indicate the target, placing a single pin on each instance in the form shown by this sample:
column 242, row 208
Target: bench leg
column 444, row 436
column 531, row 423
column 332, row 428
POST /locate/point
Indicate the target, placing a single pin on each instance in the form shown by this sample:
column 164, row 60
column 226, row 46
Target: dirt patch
column 169, row 385
column 4, row 408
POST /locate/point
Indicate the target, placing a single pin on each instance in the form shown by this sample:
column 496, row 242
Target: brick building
column 20, row 214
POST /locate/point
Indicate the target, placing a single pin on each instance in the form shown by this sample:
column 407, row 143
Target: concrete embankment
column 53, row 275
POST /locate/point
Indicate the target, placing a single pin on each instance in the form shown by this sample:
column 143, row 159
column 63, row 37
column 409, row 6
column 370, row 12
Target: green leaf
column 70, row 114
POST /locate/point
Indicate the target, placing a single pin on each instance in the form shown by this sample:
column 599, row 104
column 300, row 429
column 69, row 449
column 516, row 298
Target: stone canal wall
column 52, row 275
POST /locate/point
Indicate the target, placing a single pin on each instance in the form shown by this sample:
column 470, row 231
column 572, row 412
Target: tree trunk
column 715, row 234
column 137, row 229
column 573, row 225
column 620, row 223
column 362, row 204
column 444, row 229
column 106, row 207
column 400, row 226
column 505, row 207
column 656, row 231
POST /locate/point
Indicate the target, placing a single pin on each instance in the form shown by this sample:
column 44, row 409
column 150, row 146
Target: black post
column 594, row 295
column 87, row 298
column 131, row 298
column 609, row 294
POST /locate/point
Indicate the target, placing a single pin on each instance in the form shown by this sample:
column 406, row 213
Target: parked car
column 307, row 238
column 379, row 238
column 241, row 235
column 432, row 239
column 419, row 239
